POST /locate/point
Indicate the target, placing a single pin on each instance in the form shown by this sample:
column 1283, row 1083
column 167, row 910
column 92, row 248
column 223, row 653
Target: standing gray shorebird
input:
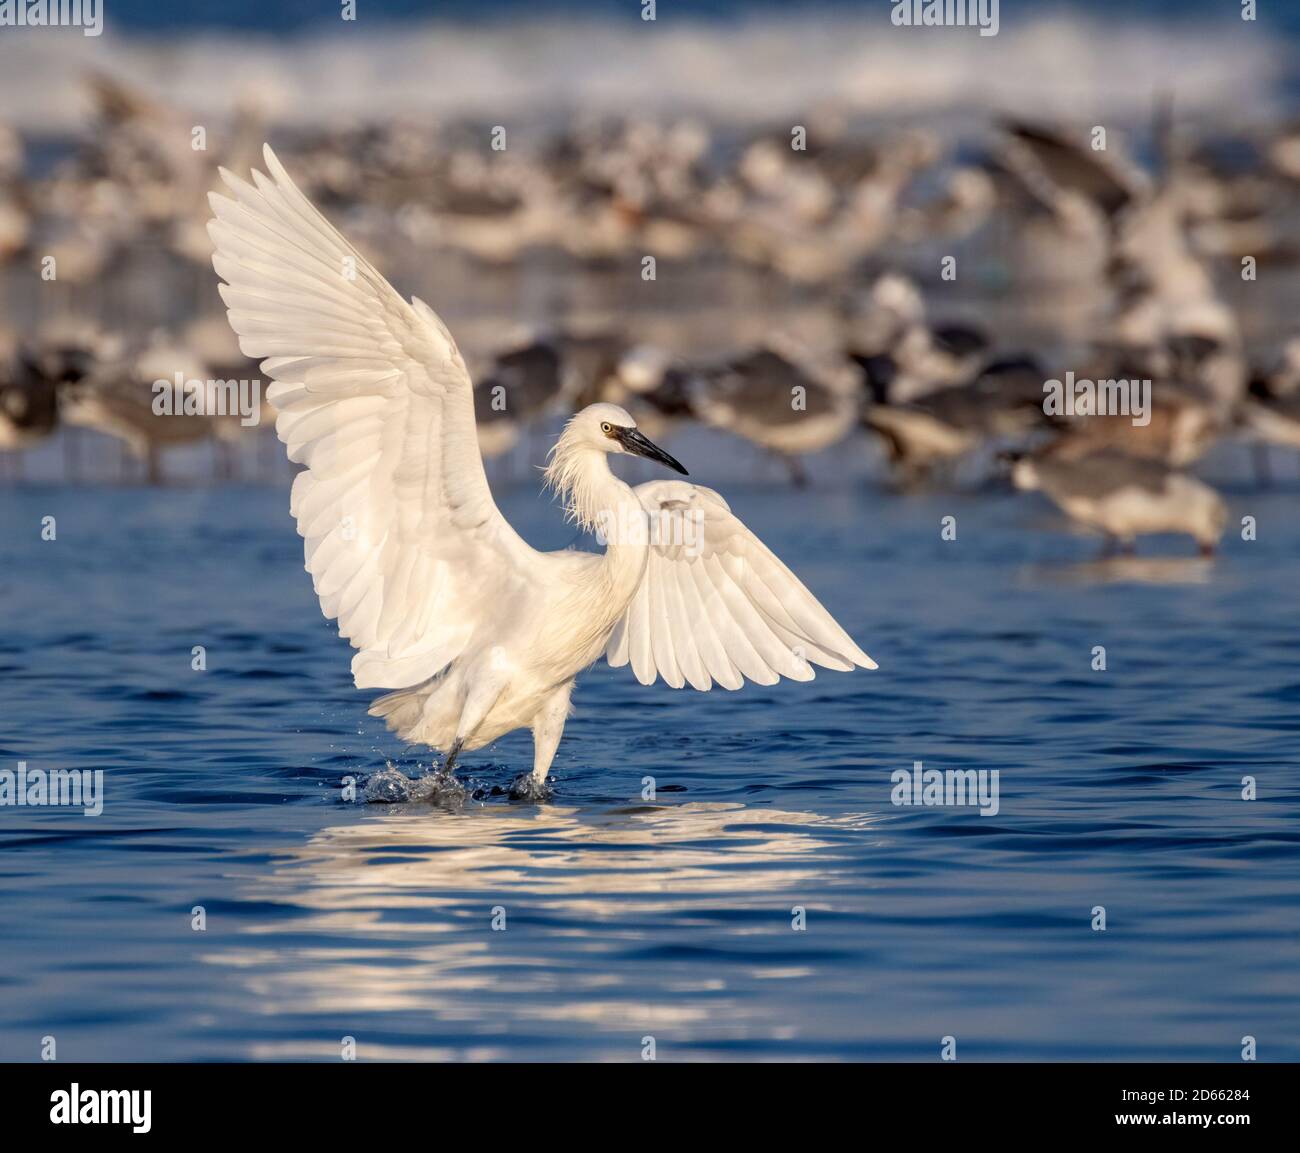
column 478, row 633
column 1124, row 497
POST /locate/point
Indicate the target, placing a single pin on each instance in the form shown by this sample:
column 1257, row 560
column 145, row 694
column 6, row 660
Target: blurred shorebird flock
column 879, row 298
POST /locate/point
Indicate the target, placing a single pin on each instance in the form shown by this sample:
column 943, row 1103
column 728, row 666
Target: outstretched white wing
column 404, row 543
column 716, row 604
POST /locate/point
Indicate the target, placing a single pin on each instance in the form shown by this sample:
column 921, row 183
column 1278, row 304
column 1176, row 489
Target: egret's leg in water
column 482, row 696
column 452, row 754
column 548, row 727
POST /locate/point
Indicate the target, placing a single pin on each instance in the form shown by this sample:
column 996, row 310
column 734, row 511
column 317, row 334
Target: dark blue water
column 293, row 15
column 626, row 919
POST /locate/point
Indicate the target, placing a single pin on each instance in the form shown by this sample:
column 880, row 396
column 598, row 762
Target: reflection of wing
column 715, row 604
column 403, row 540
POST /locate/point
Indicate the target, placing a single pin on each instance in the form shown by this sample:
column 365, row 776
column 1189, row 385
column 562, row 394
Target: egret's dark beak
column 638, row 445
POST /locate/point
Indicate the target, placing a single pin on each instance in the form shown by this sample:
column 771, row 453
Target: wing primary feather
column 405, row 545
column 726, row 611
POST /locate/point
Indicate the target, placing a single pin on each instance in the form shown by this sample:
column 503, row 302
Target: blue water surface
column 673, row 918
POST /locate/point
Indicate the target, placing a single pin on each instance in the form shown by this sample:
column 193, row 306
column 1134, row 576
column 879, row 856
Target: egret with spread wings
column 476, row 632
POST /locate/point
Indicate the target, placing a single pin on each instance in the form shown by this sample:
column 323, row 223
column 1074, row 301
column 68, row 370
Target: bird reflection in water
column 396, row 912
column 1121, row 569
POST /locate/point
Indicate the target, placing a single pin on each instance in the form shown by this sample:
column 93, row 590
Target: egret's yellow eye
column 606, row 428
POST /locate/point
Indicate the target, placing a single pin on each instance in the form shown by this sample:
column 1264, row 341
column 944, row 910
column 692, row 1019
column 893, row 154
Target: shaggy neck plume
column 580, row 475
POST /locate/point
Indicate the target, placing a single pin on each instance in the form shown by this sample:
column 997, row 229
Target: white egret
column 477, row 632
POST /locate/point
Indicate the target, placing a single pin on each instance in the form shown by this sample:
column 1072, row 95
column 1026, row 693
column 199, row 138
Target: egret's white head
column 594, row 425
column 575, row 469
column 607, row 428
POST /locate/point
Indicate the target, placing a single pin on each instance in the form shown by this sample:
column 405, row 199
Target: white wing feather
column 716, row 604
column 404, row 543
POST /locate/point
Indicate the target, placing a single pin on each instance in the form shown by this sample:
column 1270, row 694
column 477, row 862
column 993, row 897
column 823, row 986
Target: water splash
column 390, row 786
